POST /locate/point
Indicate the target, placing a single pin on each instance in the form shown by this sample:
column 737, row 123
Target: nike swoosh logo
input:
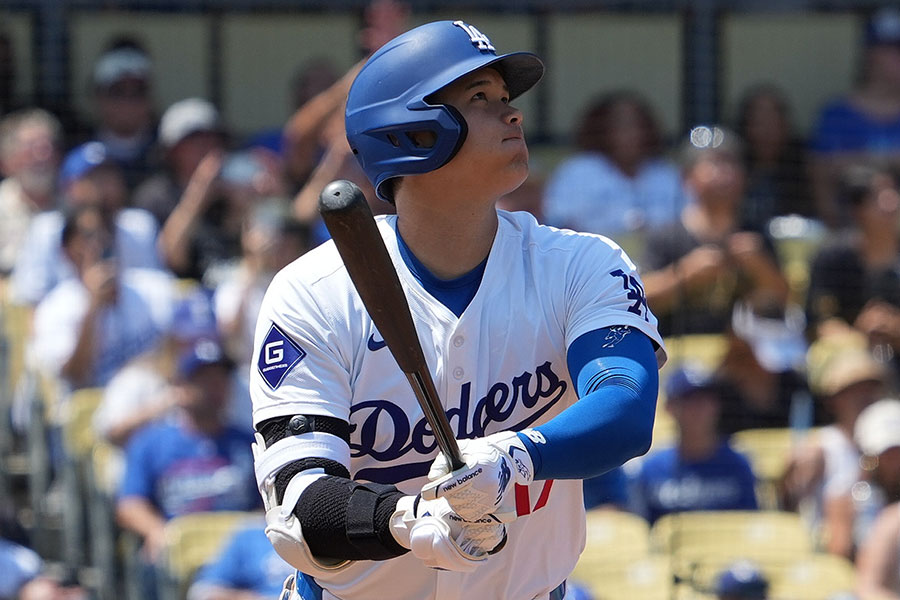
column 374, row 345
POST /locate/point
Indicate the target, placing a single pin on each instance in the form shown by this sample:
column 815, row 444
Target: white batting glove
column 440, row 538
column 485, row 486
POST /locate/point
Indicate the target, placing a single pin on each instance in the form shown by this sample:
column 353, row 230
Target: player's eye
column 504, row 100
column 479, row 96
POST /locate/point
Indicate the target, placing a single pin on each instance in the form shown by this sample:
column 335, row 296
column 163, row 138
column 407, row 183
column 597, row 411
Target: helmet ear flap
column 385, row 187
column 463, row 130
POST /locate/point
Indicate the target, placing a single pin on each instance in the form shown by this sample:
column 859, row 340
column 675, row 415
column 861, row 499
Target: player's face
column 494, row 153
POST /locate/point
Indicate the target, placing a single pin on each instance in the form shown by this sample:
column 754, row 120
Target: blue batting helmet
column 389, row 98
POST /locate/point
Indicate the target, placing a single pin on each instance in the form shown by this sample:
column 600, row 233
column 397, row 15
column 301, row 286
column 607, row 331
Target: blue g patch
column 277, row 357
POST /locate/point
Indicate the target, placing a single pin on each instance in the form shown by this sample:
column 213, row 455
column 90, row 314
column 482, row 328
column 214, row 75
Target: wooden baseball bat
column 349, row 220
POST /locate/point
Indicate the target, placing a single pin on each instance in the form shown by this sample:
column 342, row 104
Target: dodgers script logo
column 537, row 392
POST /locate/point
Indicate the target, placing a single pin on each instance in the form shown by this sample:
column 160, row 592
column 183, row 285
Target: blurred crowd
column 135, row 251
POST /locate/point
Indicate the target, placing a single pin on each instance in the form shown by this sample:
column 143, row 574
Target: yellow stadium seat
column 815, row 577
column 705, row 348
column 16, row 324
column 78, row 428
column 192, row 541
column 612, row 536
column 693, row 538
column 646, row 578
column 769, row 451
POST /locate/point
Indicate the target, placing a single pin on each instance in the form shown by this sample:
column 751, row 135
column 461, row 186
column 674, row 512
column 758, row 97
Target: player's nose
column 513, row 116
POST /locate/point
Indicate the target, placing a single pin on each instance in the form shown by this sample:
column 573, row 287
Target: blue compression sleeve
column 617, row 385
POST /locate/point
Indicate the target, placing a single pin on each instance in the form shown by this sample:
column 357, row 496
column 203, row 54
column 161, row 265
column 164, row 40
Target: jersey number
column 635, row 292
column 523, row 498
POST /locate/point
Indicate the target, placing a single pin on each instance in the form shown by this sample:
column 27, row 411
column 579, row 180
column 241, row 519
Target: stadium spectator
column 193, row 462
column 88, row 177
column 316, row 147
column 825, row 466
column 879, row 556
column 25, row 577
column 764, row 364
column 856, row 277
column 30, row 141
column 742, row 580
column 609, row 490
column 774, row 158
column 91, row 325
column 701, row 471
column 874, row 498
column 617, row 182
column 122, row 81
column 247, row 568
column 189, row 130
column 695, row 269
column 270, row 239
column 201, row 238
column 864, row 125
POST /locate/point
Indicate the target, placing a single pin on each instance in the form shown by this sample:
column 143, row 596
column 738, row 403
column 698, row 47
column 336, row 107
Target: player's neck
column 449, row 242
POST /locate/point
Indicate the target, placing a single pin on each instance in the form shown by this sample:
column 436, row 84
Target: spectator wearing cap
column 701, row 471
column 30, row 142
column 122, row 92
column 194, row 461
column 742, row 580
column 878, row 561
column 696, row 269
column 140, row 393
column 215, row 191
column 825, row 466
column 89, row 176
column 864, row 125
column 189, row 130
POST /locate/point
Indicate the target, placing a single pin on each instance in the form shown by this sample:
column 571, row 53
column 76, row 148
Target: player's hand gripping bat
column 352, row 227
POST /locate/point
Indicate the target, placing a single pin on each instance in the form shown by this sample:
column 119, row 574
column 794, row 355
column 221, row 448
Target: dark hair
column 591, row 133
column 855, row 182
column 125, row 42
column 751, row 95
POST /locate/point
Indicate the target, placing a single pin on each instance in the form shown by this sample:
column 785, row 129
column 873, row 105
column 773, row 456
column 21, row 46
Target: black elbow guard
column 344, row 519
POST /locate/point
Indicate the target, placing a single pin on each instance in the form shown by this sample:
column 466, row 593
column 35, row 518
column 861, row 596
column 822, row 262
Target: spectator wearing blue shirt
column 193, row 462
column 702, row 471
column 865, row 124
column 609, row 490
column 247, row 568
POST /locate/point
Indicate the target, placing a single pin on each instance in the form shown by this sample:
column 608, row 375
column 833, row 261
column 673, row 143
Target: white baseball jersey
column 500, row 366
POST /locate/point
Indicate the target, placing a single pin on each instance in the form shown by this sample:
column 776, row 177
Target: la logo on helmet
column 479, row 40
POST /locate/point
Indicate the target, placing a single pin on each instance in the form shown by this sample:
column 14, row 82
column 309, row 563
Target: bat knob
column 340, row 195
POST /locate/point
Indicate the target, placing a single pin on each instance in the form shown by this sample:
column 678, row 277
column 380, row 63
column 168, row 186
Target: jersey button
column 459, row 341
column 458, row 372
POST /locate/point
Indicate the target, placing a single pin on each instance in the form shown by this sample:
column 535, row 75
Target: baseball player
column 539, row 340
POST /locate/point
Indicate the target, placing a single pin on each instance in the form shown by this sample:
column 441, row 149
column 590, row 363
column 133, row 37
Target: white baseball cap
column 878, row 427
column 120, row 63
column 192, row 115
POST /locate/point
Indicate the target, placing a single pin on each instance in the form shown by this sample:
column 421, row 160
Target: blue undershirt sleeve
column 617, row 383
